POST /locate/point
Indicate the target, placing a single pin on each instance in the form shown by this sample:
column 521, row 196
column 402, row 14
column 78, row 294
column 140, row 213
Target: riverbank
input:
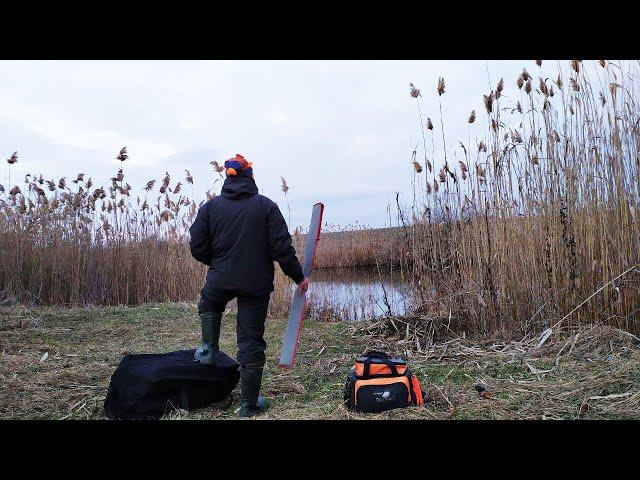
column 356, row 246
column 56, row 364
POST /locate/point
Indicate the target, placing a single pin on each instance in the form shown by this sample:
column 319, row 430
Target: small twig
column 616, row 395
column 443, row 395
column 574, row 343
column 92, row 387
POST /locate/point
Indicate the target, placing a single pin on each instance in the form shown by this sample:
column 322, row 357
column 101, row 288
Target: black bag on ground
column 144, row 386
column 378, row 383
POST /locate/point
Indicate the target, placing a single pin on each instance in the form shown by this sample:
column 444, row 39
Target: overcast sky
column 340, row 132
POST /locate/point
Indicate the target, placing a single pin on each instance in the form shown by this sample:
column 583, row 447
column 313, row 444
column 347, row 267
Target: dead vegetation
column 534, row 220
column 590, row 372
column 529, row 221
column 355, row 246
column 56, row 363
column 75, row 243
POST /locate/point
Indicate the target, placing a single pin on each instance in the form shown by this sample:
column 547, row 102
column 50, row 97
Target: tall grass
column 537, row 223
column 72, row 243
column 355, row 246
column 533, row 224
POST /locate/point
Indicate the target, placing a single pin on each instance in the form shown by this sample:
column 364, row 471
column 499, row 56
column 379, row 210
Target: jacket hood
column 238, row 187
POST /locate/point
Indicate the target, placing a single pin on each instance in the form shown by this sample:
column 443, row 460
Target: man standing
column 239, row 234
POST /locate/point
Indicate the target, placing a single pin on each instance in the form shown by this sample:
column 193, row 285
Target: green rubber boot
column 251, row 403
column 210, row 335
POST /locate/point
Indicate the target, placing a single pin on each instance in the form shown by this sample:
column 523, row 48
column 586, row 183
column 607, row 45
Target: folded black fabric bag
column 145, row 386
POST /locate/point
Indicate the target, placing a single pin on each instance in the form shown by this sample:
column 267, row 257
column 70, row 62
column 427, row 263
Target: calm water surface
column 353, row 294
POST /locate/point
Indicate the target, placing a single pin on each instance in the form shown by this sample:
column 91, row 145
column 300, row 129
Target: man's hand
column 303, row 286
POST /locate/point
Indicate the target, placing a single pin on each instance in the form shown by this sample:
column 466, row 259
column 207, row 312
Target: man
column 239, row 234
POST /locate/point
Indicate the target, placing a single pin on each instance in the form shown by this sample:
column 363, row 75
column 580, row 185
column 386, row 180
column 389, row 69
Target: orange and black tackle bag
column 378, row 383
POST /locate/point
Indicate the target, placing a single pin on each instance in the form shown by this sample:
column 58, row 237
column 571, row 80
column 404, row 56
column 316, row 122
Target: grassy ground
column 56, row 363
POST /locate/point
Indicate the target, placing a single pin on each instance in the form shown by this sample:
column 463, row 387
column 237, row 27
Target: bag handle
column 380, row 356
column 376, row 354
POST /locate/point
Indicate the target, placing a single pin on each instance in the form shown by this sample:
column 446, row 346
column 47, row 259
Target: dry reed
column 78, row 244
column 543, row 215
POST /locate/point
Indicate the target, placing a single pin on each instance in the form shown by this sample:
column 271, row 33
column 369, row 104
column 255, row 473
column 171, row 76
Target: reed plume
column 541, row 227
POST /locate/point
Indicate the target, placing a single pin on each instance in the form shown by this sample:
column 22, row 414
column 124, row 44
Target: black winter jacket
column 239, row 234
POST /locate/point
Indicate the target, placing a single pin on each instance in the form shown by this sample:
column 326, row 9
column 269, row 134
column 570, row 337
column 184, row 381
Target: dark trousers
column 252, row 312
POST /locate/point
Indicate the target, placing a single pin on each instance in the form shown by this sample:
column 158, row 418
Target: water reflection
column 354, row 294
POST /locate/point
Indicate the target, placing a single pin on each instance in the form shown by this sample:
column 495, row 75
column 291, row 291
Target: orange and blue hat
column 237, row 165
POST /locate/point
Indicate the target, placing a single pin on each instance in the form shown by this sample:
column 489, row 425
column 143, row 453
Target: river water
column 352, row 294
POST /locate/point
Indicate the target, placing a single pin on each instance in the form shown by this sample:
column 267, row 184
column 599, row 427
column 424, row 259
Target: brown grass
column 355, row 246
column 592, row 373
column 72, row 243
column 542, row 214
